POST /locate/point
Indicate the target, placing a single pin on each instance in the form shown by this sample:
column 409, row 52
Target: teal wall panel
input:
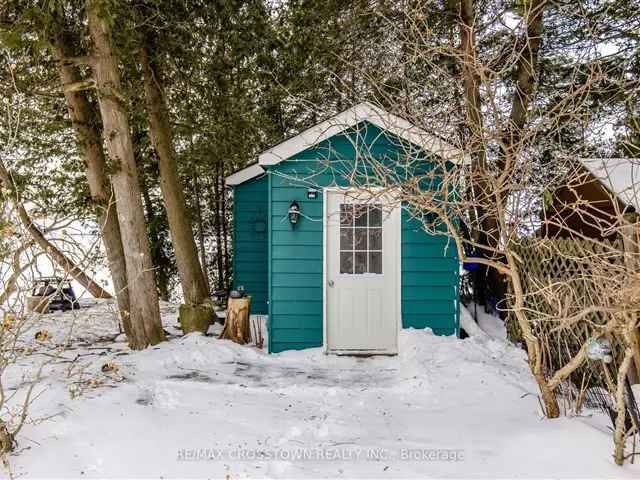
column 430, row 279
column 250, row 241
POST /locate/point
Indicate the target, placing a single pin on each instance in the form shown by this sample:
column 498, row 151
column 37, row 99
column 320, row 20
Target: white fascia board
column 351, row 117
column 243, row 175
column 413, row 134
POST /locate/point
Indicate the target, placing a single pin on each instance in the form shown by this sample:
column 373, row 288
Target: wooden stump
column 236, row 325
column 195, row 318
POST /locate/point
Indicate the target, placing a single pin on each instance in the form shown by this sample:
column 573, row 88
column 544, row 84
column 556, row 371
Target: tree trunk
column 486, row 231
column 85, row 124
column 620, row 431
column 534, row 353
column 466, row 26
column 218, row 231
column 194, row 286
column 526, row 73
column 195, row 318
column 54, row 252
column 200, row 224
column 145, row 311
column 161, row 264
column 11, row 284
column 225, row 237
column 479, row 185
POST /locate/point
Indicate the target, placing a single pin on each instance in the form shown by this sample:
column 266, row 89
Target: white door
column 362, row 273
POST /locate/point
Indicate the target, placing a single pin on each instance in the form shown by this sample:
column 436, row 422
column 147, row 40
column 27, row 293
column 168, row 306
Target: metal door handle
column 331, row 283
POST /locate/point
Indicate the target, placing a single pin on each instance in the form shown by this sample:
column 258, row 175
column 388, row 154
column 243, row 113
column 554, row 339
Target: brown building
column 593, row 200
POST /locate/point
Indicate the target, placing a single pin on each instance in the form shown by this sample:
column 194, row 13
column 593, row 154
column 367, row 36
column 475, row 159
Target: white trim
column 325, row 198
column 243, row 175
column 351, row 117
column 398, row 274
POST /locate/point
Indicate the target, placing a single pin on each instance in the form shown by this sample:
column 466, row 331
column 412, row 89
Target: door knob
column 331, row 283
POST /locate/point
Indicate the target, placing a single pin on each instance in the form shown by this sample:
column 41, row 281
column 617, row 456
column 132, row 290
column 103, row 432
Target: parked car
column 52, row 293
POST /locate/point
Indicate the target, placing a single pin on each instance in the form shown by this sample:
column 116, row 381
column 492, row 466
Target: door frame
column 398, row 272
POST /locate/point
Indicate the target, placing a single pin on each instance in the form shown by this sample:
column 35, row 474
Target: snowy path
column 464, row 402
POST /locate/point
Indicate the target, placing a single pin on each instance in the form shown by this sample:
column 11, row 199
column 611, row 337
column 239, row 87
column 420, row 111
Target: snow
column 621, row 176
column 196, row 406
column 487, row 323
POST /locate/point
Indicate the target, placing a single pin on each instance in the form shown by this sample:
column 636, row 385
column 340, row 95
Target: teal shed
column 336, row 266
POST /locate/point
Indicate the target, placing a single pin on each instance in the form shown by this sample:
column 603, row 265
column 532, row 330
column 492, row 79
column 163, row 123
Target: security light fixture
column 294, row 214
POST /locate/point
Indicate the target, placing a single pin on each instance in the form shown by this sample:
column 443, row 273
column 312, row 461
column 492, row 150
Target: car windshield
column 45, row 289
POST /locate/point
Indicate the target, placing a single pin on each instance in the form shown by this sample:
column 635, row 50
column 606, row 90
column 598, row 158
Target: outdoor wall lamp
column 294, row 214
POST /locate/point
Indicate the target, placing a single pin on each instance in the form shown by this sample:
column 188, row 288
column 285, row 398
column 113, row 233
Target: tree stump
column 195, row 318
column 236, row 326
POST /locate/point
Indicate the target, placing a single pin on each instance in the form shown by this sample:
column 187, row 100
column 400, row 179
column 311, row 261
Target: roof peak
column 364, row 111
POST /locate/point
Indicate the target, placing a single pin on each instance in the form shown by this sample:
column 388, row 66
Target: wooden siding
column 429, row 274
column 250, row 236
column 429, row 293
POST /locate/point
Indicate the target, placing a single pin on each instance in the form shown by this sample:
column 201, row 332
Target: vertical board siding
column 429, row 275
column 250, row 237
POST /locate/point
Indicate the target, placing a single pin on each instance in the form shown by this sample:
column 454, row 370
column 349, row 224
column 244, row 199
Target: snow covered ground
column 197, row 406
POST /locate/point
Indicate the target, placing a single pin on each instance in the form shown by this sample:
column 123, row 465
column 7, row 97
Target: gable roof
column 620, row 176
column 339, row 123
column 247, row 173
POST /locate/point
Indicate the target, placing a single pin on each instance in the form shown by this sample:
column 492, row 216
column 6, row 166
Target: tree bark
column 11, row 284
column 481, row 229
column 620, row 431
column 200, row 223
column 526, row 72
column 145, row 311
column 534, row 353
column 472, row 83
column 236, row 326
column 218, row 231
column 54, row 252
column 85, row 124
column 225, row 236
column 161, row 264
column 485, row 192
column 194, row 285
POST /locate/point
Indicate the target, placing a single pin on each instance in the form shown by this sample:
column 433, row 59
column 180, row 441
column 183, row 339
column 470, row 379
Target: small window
column 360, row 238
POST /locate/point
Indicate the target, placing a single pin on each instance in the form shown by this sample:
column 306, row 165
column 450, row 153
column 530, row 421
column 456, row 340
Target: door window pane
column 361, row 215
column 346, row 238
column 375, row 238
column 346, row 214
column 346, row 262
column 375, row 262
column 375, row 215
column 361, row 262
column 360, row 239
